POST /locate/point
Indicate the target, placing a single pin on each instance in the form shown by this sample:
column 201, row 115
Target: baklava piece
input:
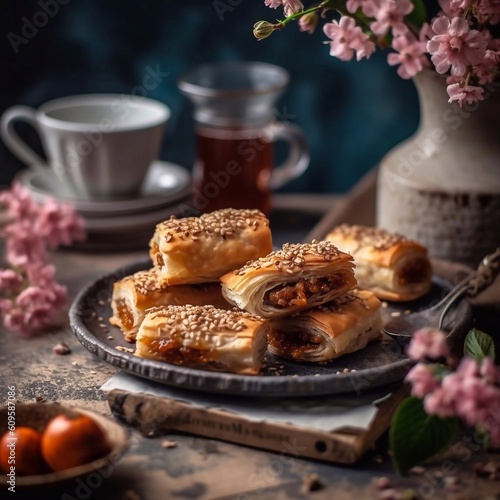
column 203, row 337
column 299, row 276
column 135, row 294
column 202, row 249
column 392, row 266
column 342, row 326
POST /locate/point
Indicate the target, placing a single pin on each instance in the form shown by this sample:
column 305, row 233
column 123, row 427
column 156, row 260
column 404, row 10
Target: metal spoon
column 405, row 326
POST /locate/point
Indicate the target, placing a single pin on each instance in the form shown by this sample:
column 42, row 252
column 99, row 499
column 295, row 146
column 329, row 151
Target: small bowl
column 37, row 416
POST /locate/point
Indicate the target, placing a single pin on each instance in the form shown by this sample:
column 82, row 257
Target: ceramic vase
column 441, row 187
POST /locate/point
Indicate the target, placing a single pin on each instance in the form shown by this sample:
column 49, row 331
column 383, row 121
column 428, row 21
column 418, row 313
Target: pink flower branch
column 471, row 392
column 458, row 41
column 30, row 296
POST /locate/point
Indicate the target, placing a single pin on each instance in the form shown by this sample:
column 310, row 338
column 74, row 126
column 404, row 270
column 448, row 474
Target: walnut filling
column 293, row 344
column 157, row 257
column 415, row 271
column 172, row 351
column 298, row 293
column 125, row 315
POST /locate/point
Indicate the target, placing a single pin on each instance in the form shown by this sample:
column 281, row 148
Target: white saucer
column 165, row 184
column 133, row 222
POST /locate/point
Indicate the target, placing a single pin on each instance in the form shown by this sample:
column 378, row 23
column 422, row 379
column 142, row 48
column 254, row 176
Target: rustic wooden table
column 201, row 468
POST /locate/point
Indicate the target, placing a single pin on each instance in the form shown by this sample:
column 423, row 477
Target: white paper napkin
column 326, row 413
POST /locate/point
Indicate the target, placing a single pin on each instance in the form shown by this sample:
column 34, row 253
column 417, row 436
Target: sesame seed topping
column 147, row 282
column 292, row 256
column 201, row 322
column 224, row 223
column 379, row 238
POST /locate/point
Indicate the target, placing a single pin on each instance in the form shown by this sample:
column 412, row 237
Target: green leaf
column 415, row 436
column 418, row 15
column 478, row 345
column 439, row 370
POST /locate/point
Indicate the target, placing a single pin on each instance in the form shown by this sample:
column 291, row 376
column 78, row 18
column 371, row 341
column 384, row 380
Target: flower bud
column 292, row 7
column 262, row 29
column 308, row 22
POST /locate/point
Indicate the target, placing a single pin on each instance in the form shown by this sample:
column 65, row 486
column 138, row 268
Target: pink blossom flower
column 42, row 275
column 473, row 394
column 468, row 394
column 5, row 305
column 456, row 7
column 468, row 94
column 274, row 4
column 28, row 322
column 425, row 34
column 489, row 10
column 347, row 38
column 367, row 6
column 389, row 15
column 59, row 224
column 440, row 403
column 19, row 202
column 455, row 46
column 31, row 296
column 363, row 46
column 467, row 368
column 10, row 280
column 308, row 22
column 462, row 4
column 487, row 70
column 476, row 401
column 34, row 308
column 489, row 371
column 443, row 401
column 458, row 42
column 422, row 380
column 36, row 318
column 23, row 246
column 428, row 343
column 45, row 291
column 411, row 57
column 15, row 320
column 290, row 6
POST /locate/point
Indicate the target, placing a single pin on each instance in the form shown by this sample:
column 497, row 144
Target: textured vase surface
column 441, row 187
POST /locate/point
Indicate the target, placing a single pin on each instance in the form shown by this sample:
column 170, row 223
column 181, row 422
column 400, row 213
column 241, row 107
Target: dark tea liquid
column 232, row 169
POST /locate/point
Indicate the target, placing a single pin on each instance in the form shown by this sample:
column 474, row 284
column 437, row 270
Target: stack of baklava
column 307, row 292
column 176, row 312
column 301, row 301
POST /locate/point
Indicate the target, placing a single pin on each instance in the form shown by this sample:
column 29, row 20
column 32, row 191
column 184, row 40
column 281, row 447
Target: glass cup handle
column 298, row 156
column 12, row 139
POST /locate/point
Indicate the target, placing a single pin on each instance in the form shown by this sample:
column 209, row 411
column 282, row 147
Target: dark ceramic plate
column 379, row 364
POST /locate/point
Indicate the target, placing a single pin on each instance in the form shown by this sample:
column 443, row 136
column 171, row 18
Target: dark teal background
column 352, row 113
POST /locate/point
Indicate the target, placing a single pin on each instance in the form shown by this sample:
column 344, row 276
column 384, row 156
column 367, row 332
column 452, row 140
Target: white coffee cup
column 98, row 145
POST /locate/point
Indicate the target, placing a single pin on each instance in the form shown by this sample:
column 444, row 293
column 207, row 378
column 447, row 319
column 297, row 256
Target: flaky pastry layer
column 203, row 337
column 390, row 265
column 202, row 249
column 135, row 294
column 326, row 332
column 299, row 276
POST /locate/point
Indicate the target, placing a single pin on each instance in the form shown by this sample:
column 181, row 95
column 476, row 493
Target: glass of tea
column 236, row 128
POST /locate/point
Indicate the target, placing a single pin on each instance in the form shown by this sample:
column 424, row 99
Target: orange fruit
column 72, row 441
column 25, row 455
